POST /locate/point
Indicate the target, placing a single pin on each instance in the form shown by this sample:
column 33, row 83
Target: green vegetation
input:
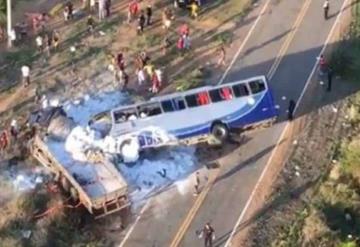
column 191, row 80
column 2, row 13
column 345, row 60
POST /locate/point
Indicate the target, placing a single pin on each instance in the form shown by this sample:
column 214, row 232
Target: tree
column 2, row 12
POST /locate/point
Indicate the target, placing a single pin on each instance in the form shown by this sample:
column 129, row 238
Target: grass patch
column 345, row 60
column 20, row 57
column 191, row 80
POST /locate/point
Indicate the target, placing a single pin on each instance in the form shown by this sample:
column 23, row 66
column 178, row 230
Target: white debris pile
column 165, row 168
column 81, row 110
column 24, row 180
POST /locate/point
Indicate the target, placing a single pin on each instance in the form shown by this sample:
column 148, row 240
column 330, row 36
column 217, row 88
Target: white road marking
column 133, row 225
column 242, row 215
column 243, row 43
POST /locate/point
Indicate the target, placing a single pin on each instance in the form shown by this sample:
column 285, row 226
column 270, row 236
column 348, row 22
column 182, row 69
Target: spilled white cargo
column 145, row 174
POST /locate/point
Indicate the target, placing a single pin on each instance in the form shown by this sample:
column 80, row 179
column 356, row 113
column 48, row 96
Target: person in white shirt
column 25, row 70
column 12, row 35
column 141, row 76
column 39, row 43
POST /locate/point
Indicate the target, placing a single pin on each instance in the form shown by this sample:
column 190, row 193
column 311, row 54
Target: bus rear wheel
column 220, row 132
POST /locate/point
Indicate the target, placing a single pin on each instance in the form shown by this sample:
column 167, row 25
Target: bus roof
column 191, row 91
column 199, row 89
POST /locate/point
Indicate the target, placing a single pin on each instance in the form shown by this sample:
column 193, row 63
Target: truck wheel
column 220, row 132
column 65, row 184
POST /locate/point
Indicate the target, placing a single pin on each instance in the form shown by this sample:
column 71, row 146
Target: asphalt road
column 290, row 34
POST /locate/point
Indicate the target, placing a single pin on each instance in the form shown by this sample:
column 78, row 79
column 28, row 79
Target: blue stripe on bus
column 245, row 116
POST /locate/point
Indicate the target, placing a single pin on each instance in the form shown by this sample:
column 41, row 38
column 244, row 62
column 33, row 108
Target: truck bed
column 101, row 187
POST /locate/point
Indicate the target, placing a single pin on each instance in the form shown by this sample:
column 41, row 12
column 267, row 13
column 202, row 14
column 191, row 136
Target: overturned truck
column 96, row 182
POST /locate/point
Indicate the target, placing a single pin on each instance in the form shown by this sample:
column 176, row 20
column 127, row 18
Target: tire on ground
column 220, row 132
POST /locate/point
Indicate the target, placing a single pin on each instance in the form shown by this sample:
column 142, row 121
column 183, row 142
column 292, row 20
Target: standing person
column 166, row 44
column 47, row 44
column 25, row 70
column 181, row 45
column 184, row 29
column 208, row 233
column 123, row 79
column 197, row 184
column 107, row 8
column 194, row 9
column 291, row 109
column 141, row 23
column 187, row 42
column 141, row 76
column 39, row 43
column 56, row 40
column 322, row 65
column 222, row 56
column 329, row 79
column 14, row 130
column 71, row 9
column 120, row 61
column 66, row 13
column 90, row 24
column 148, row 14
column 155, row 83
column 101, row 9
column 326, row 9
column 133, row 10
column 166, row 17
column 92, row 6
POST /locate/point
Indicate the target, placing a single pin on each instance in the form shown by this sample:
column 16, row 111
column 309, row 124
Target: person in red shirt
column 4, row 140
column 184, row 29
column 226, row 93
column 133, row 10
column 181, row 45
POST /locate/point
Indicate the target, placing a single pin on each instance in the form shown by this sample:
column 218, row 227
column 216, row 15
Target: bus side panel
column 263, row 111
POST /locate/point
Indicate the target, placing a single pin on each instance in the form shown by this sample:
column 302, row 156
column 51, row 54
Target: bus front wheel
column 220, row 132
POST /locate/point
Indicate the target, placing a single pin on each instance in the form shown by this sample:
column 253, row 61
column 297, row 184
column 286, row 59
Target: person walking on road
column 326, row 9
column 329, row 79
column 197, row 184
column 291, row 109
column 209, row 235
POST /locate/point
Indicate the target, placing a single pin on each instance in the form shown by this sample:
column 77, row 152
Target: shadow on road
column 276, row 202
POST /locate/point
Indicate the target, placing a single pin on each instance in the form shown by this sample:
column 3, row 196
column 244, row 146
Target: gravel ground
column 311, row 158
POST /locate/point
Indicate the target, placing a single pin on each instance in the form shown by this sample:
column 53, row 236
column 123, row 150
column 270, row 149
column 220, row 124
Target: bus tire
column 220, row 132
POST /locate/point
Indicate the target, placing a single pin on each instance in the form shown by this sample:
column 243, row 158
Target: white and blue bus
column 210, row 110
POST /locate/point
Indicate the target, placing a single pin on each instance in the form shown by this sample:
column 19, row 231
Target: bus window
column 123, row 115
column 215, row 95
column 192, row 100
column 240, row 90
column 203, row 98
column 257, row 86
column 167, row 106
column 149, row 110
column 179, row 104
column 226, row 93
